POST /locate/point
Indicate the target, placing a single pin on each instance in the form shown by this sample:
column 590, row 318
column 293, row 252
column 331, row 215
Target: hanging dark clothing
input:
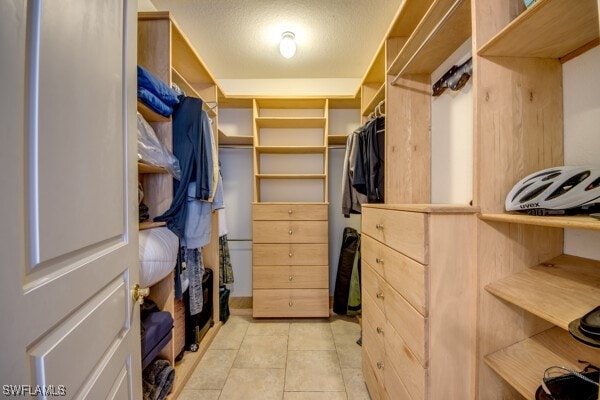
column 192, row 135
column 347, row 292
column 369, row 165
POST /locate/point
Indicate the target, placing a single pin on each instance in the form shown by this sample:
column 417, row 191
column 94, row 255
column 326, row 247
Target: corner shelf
column 291, row 176
column 442, row 30
column 522, row 364
column 566, row 221
column 149, row 114
column 144, row 168
column 337, row 139
column 558, row 291
column 235, row 140
column 377, row 97
column 279, row 122
column 291, row 149
column 149, row 225
column 547, row 29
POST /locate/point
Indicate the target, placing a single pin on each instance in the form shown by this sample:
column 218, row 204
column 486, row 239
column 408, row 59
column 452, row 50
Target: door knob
column 139, row 293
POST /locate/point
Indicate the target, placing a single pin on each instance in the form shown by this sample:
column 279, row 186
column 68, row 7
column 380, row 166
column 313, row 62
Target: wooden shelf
column 558, row 291
column 291, row 176
column 337, row 139
column 291, row 149
column 377, row 97
column 190, row 91
column 287, row 103
column 149, row 114
column 150, row 169
column 231, row 140
column 278, row 122
column 149, row 225
column 445, row 26
column 571, row 222
column 547, row 29
column 522, row 365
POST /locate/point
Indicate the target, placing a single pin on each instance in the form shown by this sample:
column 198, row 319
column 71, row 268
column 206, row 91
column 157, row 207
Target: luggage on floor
column 156, row 333
column 197, row 325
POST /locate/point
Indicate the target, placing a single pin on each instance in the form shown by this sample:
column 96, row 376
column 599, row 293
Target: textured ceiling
column 239, row 39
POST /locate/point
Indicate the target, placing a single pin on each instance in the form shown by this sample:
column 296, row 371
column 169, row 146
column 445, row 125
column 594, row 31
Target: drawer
column 401, row 230
column 291, row 211
column 290, row 232
column 290, row 277
column 404, row 274
column 275, row 303
column 290, row 254
column 374, row 386
column 410, row 325
column 402, row 361
column 373, row 285
column 394, row 387
column 374, row 323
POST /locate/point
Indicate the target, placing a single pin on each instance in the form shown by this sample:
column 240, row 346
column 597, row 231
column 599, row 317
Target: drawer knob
column 379, row 226
column 290, row 254
column 380, row 330
column 380, row 365
column 290, row 232
column 290, row 212
column 291, row 278
column 290, row 303
column 379, row 260
column 379, row 295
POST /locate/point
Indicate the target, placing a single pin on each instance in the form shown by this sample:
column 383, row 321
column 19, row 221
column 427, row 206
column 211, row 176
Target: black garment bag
column 350, row 243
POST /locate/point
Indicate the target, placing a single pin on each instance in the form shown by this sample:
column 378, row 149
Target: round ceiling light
column 287, row 46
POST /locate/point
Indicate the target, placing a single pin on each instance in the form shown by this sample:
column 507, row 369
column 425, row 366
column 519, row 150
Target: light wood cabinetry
column 164, row 51
column 527, row 289
column 418, row 301
column 290, row 260
column 290, row 217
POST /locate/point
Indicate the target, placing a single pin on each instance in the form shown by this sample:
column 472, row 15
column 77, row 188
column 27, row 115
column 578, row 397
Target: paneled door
column 68, row 187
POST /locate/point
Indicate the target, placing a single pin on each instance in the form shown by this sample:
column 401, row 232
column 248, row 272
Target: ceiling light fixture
column 287, row 46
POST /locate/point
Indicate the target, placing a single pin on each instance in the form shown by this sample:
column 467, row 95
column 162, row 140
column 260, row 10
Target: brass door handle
column 139, row 293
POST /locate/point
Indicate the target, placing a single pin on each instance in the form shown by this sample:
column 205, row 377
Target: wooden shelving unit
column 571, row 222
column 558, row 291
column 548, row 29
column 442, row 30
column 281, row 122
column 164, row 50
column 522, row 364
column 378, row 96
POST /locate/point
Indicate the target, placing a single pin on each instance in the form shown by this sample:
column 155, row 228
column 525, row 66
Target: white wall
column 581, row 91
column 452, row 137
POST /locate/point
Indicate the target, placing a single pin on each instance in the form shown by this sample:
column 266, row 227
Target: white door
column 68, row 237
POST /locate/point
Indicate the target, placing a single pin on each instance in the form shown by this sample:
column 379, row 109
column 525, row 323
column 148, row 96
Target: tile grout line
column 237, row 351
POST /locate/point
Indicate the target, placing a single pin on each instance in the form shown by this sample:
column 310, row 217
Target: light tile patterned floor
column 281, row 360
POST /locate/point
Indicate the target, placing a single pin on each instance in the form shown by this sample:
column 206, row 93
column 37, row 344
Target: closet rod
column 428, row 38
column 239, row 240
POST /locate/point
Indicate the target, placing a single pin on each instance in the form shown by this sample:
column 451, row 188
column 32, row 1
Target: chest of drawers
column 290, row 258
column 418, row 296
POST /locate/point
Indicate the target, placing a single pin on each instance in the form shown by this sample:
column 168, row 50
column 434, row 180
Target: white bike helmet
column 560, row 190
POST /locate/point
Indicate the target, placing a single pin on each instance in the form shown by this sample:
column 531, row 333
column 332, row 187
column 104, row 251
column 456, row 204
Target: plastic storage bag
column 152, row 151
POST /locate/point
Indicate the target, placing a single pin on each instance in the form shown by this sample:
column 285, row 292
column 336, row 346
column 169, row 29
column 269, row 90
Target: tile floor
column 281, row 360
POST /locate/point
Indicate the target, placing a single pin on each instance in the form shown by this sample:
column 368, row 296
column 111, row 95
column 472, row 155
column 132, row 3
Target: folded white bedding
column 157, row 254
